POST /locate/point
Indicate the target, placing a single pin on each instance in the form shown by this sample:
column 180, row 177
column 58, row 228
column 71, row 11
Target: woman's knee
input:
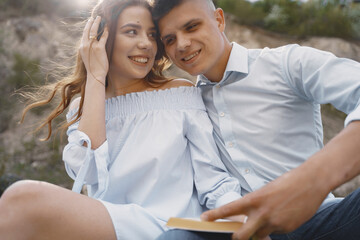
column 22, row 190
column 23, row 197
column 22, row 206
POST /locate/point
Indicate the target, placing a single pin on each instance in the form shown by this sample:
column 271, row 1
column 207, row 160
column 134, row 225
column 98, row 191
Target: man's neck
column 216, row 74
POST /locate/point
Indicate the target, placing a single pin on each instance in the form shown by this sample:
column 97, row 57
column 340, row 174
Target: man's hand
column 281, row 206
column 290, row 200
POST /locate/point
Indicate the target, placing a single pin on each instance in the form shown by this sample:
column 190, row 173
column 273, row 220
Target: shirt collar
column 238, row 62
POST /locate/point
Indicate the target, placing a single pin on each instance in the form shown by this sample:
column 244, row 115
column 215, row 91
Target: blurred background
column 38, row 35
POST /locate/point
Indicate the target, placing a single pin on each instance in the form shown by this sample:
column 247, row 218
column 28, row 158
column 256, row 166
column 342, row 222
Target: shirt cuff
column 102, row 152
column 227, row 198
column 353, row 116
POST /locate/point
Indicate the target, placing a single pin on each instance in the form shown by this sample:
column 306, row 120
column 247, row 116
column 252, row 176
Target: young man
column 265, row 108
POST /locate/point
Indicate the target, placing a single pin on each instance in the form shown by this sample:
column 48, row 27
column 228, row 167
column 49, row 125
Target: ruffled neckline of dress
column 137, row 102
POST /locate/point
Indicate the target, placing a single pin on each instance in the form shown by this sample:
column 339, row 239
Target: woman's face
column 135, row 44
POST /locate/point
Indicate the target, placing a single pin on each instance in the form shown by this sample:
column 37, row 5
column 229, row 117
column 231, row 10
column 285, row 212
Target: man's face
column 192, row 35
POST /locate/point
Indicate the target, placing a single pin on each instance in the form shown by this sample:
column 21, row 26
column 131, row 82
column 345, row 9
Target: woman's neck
column 117, row 87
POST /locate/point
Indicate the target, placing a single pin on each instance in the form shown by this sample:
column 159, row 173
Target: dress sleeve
column 214, row 185
column 321, row 77
column 83, row 164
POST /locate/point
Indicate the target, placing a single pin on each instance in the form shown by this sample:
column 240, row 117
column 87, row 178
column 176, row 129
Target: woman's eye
column 169, row 40
column 152, row 35
column 132, row 32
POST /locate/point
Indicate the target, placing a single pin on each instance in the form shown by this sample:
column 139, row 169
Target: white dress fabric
column 159, row 161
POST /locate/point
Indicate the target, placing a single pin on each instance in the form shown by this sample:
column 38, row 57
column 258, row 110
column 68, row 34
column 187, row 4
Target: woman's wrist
column 102, row 83
column 94, row 79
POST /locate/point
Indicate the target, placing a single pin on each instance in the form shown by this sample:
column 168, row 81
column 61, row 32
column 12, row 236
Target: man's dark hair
column 163, row 7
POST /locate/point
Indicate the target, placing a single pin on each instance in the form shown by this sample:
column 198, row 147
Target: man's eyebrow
column 191, row 22
column 183, row 27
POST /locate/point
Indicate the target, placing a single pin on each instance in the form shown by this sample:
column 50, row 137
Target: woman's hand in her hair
column 93, row 52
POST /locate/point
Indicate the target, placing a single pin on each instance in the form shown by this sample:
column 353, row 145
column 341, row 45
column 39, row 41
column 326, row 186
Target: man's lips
column 191, row 56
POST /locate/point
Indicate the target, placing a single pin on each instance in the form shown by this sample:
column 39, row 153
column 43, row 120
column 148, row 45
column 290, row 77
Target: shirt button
column 218, row 86
column 230, row 144
column 247, row 170
column 222, row 114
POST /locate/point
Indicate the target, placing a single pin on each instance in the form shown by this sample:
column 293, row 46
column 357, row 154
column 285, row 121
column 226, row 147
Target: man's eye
column 192, row 27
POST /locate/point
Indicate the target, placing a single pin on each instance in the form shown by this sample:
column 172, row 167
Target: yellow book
column 221, row 226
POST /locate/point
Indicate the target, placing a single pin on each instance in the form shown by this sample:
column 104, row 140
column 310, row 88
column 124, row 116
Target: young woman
column 140, row 142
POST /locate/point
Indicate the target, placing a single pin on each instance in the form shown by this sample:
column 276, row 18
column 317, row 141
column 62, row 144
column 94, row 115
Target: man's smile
column 191, row 56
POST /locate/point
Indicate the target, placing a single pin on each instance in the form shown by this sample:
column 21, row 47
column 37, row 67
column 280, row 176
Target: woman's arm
column 93, row 54
column 82, row 163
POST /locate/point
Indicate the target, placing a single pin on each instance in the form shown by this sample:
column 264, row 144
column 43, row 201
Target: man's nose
column 183, row 42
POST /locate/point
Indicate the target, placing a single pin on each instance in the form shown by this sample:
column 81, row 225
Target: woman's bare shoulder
column 178, row 82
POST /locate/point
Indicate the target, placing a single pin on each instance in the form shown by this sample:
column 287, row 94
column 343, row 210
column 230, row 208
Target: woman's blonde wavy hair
column 74, row 83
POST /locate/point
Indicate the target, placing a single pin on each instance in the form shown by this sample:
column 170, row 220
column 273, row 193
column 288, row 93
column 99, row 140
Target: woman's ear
column 220, row 19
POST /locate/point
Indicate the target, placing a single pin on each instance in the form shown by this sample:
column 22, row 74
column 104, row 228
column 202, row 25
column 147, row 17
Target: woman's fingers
column 87, row 27
column 92, row 51
column 104, row 36
column 94, row 29
column 91, row 29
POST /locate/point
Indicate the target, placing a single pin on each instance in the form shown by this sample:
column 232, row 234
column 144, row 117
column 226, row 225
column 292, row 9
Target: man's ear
column 220, row 19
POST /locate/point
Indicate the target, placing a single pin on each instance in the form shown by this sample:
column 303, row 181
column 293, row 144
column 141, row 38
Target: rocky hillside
column 28, row 45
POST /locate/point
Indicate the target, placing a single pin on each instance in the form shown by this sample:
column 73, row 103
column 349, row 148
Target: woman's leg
column 39, row 210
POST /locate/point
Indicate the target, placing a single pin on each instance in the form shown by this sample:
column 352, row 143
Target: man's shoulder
column 275, row 50
column 270, row 53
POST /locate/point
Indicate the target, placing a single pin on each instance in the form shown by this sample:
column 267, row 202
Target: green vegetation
column 29, row 5
column 331, row 110
column 3, row 160
column 63, row 8
column 5, row 116
column 25, row 72
column 31, row 159
column 2, row 50
column 301, row 19
column 354, row 15
column 39, row 161
column 11, row 8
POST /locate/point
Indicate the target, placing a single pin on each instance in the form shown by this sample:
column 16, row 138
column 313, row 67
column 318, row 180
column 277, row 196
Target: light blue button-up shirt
column 266, row 108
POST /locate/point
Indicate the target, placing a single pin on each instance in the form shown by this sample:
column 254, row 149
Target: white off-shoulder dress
column 159, row 161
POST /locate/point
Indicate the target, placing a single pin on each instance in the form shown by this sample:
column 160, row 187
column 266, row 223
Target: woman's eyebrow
column 133, row 25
